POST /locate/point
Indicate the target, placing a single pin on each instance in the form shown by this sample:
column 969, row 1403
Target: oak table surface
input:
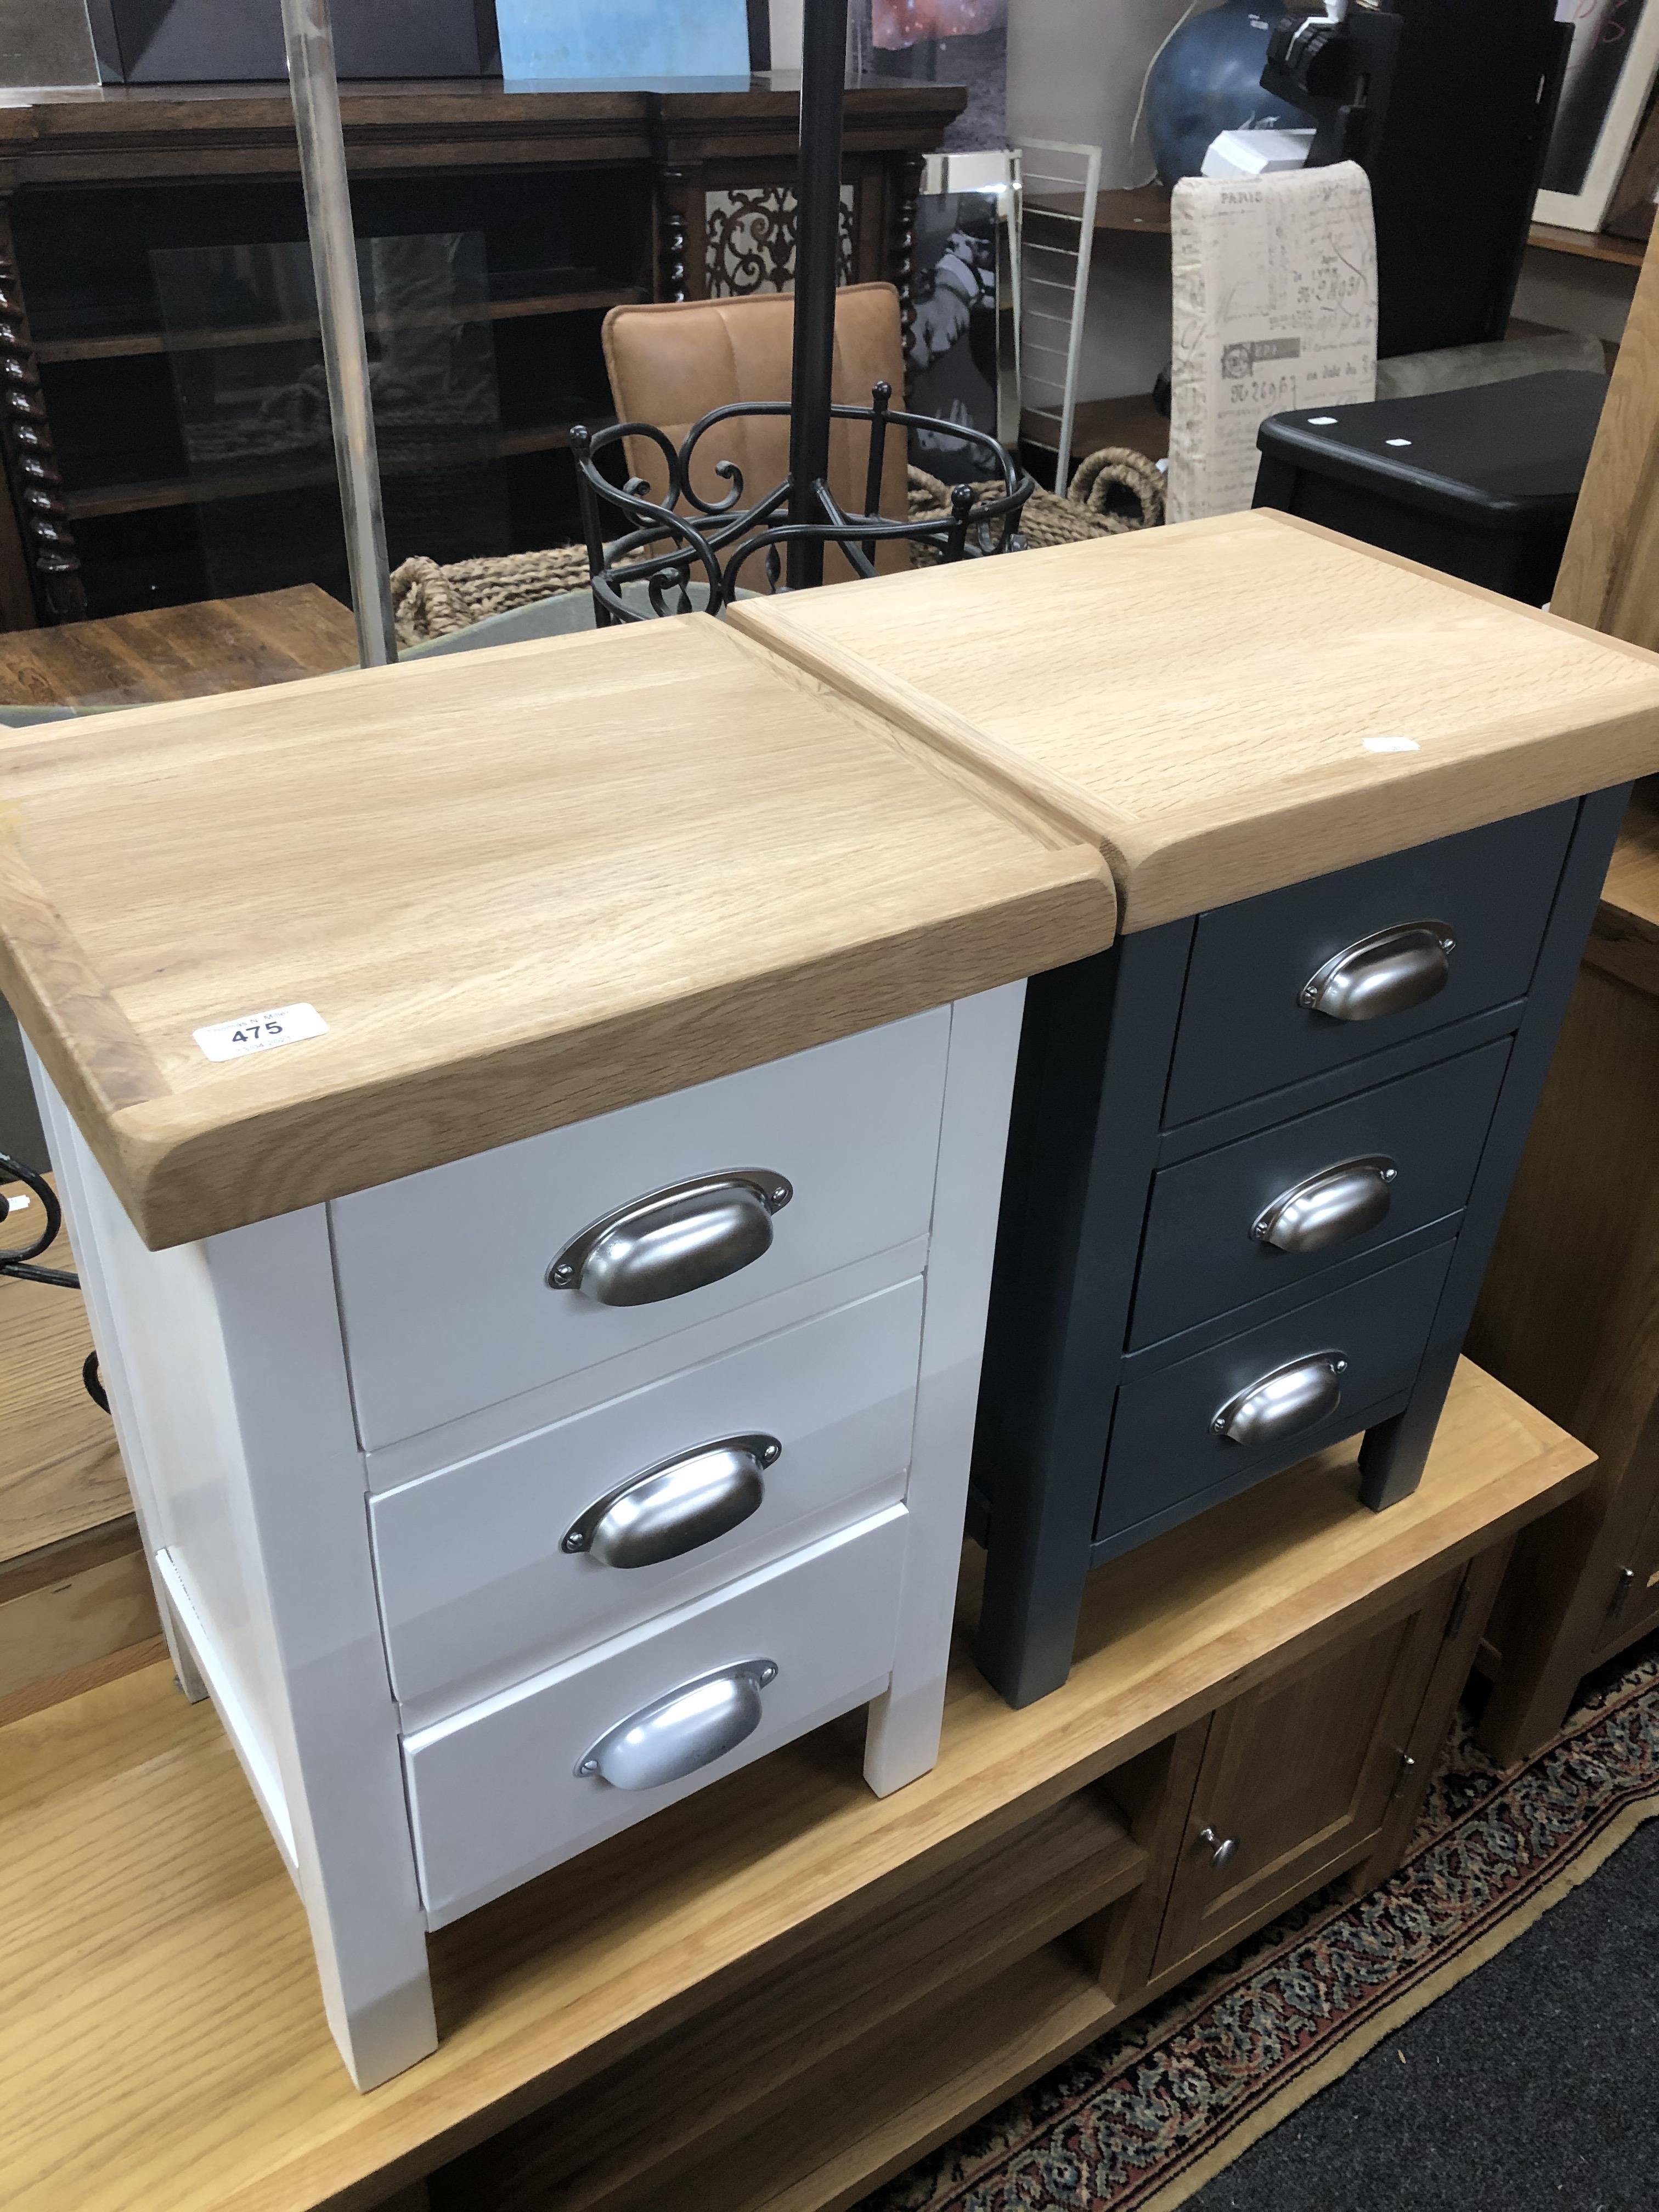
column 162, row 2046
column 60, row 1471
column 1229, row 706
column 179, row 652
column 65, row 1506
column 1624, row 938
column 520, row 887
column 1632, row 891
column 76, row 1606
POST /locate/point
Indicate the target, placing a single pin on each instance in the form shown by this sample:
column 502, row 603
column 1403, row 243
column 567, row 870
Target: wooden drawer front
column 1163, row 1448
column 1201, row 1256
column 476, row 1589
column 494, row 1796
column 442, row 1277
column 1243, row 1028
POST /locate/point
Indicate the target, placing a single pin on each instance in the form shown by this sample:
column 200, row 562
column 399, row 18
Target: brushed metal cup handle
column 1386, row 973
column 674, row 1240
column 1337, row 1203
column 691, row 1727
column 1285, row 1401
column 1220, row 1848
column 677, row 1505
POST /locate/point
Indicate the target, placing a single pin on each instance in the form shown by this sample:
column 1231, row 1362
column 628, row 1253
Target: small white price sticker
column 260, row 1032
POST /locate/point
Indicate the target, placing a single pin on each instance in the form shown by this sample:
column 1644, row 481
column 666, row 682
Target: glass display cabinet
column 163, row 425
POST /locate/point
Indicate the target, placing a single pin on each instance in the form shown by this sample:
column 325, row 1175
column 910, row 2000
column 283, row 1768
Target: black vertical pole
column 817, row 227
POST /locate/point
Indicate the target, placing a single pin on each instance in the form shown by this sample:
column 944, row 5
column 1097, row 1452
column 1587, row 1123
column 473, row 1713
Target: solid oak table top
column 179, row 652
column 1633, row 884
column 519, row 887
column 162, row 2044
column 1624, row 938
column 1233, row 705
column 64, row 1497
column 61, row 1475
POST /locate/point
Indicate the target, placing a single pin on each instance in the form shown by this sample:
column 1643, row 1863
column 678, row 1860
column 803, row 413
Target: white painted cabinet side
column 226, row 1372
column 64, row 1143
column 303, row 1489
column 903, row 1733
column 159, row 1346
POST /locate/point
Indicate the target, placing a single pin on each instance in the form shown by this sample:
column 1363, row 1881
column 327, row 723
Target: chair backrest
column 1274, row 306
column 672, row 361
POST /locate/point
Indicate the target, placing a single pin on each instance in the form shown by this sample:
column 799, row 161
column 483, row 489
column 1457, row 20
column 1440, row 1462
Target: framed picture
column 187, row 41
column 46, row 47
column 952, row 349
column 1611, row 67
column 625, row 41
column 942, row 42
column 241, row 41
column 1635, row 195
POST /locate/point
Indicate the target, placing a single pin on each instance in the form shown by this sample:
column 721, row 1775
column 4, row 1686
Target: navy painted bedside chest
column 1359, row 815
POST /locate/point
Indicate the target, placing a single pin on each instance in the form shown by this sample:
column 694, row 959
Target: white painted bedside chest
column 532, row 1127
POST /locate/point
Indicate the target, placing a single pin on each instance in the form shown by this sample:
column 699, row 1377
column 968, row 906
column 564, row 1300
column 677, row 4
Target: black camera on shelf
column 1339, row 68
column 1447, row 105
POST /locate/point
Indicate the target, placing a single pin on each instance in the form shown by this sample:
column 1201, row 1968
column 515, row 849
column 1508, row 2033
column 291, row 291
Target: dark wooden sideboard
column 1569, row 1313
column 162, row 433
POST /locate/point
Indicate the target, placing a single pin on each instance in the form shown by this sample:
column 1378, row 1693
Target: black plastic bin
column 1480, row 483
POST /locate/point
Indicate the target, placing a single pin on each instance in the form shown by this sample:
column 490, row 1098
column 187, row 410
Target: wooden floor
column 75, row 1594
column 162, row 2046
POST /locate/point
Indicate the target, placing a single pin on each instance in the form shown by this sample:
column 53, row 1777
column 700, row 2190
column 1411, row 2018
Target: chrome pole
column 316, row 94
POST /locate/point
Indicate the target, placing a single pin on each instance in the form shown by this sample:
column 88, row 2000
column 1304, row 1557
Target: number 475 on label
column 260, row 1032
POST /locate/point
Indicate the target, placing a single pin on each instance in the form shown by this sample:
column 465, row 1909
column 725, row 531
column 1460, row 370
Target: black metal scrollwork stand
column 667, row 543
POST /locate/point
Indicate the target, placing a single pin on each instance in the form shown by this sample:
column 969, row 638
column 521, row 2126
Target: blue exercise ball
column 1208, row 79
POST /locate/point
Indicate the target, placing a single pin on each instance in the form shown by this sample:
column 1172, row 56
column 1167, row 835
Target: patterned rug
column 1142, row 2119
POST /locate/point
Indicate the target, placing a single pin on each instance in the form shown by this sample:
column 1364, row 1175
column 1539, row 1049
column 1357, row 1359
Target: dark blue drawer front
column 1200, row 1257
column 1163, row 1448
column 1243, row 1030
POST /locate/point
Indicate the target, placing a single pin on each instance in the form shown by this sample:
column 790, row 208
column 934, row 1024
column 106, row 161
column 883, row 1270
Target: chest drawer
column 1165, row 1444
column 717, row 1468
column 1245, row 1028
column 1276, row 1208
column 444, row 1278
column 495, row 1795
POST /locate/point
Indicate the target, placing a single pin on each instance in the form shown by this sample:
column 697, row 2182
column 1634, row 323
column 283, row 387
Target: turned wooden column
column 51, row 564
column 904, row 188
column 682, row 232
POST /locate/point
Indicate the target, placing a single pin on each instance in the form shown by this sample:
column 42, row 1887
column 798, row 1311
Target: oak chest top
column 1230, row 706
column 518, row 888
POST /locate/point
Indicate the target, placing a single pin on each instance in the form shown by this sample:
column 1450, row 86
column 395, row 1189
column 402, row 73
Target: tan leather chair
column 672, row 361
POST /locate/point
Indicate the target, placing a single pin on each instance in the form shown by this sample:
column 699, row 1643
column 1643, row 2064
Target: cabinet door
column 1297, row 1777
column 1634, row 1606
